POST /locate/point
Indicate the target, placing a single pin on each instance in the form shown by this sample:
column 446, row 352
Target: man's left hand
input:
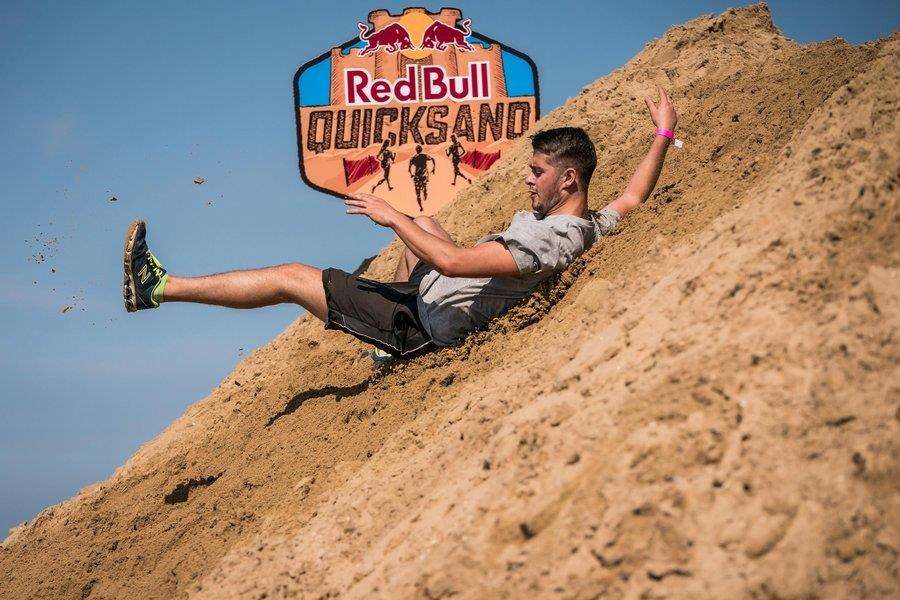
column 373, row 207
column 663, row 113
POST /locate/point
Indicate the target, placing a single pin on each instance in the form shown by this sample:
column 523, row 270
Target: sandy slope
column 704, row 406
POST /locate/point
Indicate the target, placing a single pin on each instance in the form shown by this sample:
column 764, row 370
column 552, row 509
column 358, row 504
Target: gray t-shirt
column 452, row 307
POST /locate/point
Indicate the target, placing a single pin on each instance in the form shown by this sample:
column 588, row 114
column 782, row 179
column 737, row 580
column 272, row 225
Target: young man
column 441, row 291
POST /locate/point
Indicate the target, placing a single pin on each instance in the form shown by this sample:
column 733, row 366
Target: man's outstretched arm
column 644, row 179
column 490, row 259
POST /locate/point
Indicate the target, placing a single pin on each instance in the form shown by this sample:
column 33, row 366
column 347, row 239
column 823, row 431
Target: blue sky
column 135, row 100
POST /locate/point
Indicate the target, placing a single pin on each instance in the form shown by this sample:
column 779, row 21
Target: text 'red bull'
column 360, row 88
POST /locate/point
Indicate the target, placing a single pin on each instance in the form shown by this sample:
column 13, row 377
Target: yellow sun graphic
column 416, row 22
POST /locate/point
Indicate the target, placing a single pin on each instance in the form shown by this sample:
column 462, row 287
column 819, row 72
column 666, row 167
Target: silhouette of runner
column 456, row 152
column 386, row 157
column 420, row 176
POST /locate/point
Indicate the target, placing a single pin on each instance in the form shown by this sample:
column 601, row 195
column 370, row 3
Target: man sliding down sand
column 441, row 292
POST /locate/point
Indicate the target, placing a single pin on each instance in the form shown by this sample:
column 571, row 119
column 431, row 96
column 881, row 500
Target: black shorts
column 382, row 314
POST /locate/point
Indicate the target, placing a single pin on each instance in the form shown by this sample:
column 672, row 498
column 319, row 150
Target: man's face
column 543, row 183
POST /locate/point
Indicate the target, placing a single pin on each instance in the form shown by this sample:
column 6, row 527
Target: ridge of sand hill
column 704, row 405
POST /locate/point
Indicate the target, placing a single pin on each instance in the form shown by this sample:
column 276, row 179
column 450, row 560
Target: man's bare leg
column 290, row 283
column 147, row 283
column 408, row 260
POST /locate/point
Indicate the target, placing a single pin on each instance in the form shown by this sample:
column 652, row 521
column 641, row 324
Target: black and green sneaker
column 145, row 278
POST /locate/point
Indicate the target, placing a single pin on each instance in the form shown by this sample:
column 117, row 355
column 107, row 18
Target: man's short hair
column 569, row 147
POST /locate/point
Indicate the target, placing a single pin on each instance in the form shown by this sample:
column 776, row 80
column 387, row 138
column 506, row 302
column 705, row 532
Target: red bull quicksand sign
column 414, row 109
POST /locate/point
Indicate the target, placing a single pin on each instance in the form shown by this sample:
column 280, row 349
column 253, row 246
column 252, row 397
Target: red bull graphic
column 393, row 38
column 438, row 36
column 414, row 109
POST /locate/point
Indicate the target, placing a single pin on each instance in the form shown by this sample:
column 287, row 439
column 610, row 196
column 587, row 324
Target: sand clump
column 704, row 406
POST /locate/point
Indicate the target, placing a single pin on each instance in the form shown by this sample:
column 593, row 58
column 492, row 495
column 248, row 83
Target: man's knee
column 301, row 284
column 292, row 268
column 296, row 271
column 409, row 256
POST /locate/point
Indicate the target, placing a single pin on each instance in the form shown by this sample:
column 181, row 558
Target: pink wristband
column 666, row 133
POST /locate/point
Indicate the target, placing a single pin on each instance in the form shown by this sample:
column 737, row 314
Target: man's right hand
column 663, row 112
column 373, row 207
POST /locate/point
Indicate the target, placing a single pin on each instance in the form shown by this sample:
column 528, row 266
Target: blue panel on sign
column 518, row 74
column 315, row 85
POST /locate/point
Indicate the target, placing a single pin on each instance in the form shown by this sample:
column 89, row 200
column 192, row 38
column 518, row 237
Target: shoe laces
column 155, row 265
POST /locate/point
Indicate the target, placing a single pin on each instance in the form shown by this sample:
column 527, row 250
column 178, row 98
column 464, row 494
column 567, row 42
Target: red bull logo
column 413, row 90
column 392, row 38
column 439, row 36
column 395, row 37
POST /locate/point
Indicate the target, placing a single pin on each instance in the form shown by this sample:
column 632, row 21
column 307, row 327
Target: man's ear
column 570, row 177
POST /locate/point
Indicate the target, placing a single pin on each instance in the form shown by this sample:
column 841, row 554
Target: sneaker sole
column 129, row 290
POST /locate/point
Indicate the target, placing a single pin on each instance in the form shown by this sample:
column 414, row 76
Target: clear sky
column 135, row 100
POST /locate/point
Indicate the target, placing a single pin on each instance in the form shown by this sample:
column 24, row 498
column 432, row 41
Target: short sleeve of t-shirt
column 546, row 245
